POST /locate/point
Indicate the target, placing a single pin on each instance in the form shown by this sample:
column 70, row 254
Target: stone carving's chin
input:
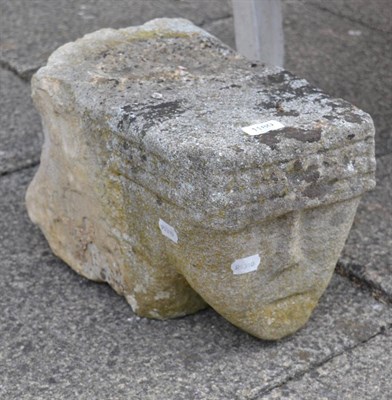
column 278, row 319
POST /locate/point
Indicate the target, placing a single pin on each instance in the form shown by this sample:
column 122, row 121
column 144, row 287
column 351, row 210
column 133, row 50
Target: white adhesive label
column 263, row 127
column 168, row 231
column 245, row 265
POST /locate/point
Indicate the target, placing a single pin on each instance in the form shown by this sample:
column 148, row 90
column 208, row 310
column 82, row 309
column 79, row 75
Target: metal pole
column 259, row 30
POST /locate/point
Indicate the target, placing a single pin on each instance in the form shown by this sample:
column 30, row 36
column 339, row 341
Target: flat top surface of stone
column 184, row 94
column 362, row 373
column 66, row 337
column 20, row 124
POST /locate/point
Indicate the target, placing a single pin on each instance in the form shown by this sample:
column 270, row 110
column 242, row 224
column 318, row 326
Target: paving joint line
column 362, row 282
column 31, row 164
column 23, row 75
column 208, row 21
column 362, row 23
column 299, row 375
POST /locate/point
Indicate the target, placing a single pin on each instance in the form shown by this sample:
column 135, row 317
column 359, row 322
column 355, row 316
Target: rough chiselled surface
column 148, row 182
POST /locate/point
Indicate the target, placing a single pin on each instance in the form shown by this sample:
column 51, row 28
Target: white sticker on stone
column 263, row 127
column 168, row 231
column 245, row 265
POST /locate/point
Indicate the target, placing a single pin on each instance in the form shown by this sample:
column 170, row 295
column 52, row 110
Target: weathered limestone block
column 149, row 182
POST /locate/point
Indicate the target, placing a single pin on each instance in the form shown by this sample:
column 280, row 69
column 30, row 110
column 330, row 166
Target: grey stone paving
column 344, row 57
column 368, row 251
column 20, row 124
column 66, row 337
column 30, row 33
column 376, row 14
column 363, row 373
column 63, row 337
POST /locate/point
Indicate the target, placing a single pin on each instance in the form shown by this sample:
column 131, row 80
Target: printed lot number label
column 263, row 127
column 245, row 265
column 168, row 231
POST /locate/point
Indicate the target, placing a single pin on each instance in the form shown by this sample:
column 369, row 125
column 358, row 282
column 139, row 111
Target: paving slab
column 362, row 373
column 344, row 57
column 376, row 15
column 31, row 32
column 20, row 125
column 65, row 337
column 367, row 254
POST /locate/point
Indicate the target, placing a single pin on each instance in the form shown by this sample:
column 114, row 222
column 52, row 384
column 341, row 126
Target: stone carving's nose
column 169, row 172
column 290, row 251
